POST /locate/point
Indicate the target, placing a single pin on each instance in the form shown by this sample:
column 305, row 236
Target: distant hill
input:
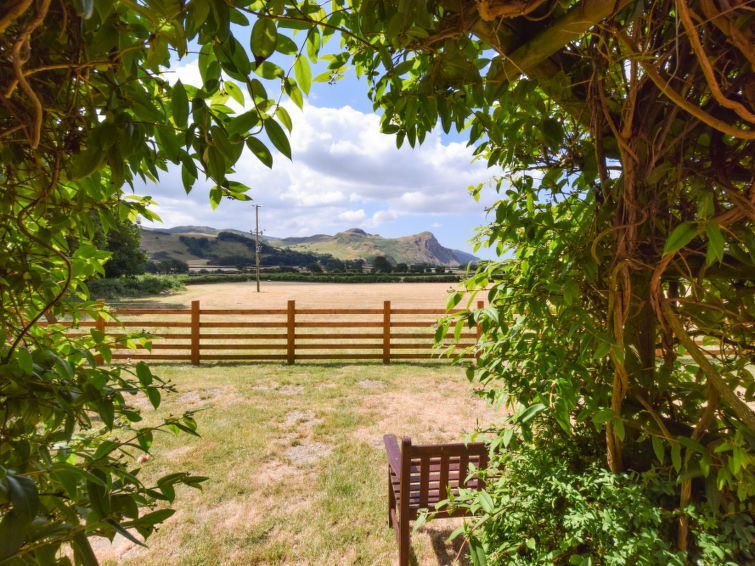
column 203, row 245
column 358, row 244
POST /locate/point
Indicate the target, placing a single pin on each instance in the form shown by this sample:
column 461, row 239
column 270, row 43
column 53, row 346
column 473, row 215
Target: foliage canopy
column 624, row 133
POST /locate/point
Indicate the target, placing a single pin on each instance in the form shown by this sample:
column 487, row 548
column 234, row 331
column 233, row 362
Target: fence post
column 195, row 332
column 386, row 332
column 291, row 332
column 480, row 305
column 100, row 325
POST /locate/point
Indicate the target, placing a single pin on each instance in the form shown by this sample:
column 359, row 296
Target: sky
column 344, row 174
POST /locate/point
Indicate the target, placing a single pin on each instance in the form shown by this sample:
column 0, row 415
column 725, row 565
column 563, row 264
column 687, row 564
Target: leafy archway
column 623, row 132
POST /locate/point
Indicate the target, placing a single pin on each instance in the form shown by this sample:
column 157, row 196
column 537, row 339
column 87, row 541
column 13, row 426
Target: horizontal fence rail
column 286, row 335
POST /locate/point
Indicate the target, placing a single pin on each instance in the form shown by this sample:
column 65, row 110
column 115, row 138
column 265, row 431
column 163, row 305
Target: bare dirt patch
column 306, row 453
column 301, row 418
column 230, row 515
column 201, row 396
column 273, row 472
column 290, row 389
column 266, row 386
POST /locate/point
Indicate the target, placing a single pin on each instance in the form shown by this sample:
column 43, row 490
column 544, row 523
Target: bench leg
column 403, row 543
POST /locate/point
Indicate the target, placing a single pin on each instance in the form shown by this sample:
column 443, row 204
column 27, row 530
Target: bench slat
column 421, row 476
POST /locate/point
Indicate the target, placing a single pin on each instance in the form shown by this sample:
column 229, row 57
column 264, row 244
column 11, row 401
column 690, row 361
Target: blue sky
column 344, row 174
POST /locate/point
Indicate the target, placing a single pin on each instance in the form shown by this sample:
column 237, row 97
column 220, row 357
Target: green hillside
column 358, row 244
column 205, row 246
column 223, row 248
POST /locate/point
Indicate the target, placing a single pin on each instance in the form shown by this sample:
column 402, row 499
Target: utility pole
column 257, row 241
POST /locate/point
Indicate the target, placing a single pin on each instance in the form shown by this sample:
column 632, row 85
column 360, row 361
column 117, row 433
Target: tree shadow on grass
column 447, row 553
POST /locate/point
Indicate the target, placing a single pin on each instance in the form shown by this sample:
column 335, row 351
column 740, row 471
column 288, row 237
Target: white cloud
column 353, row 216
column 383, row 217
column 344, row 174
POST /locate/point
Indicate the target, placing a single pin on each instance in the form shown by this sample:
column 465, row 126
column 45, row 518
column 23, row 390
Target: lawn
column 274, row 294
column 296, row 464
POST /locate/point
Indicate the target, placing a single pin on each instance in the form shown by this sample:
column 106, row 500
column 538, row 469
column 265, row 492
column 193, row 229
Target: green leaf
column 716, row 242
column 268, row 70
column 154, row 396
column 86, row 163
column 24, row 360
column 676, row 456
column 486, row 502
column 303, row 73
column 99, row 498
column 260, row 150
column 169, row 142
column 477, row 552
column 156, row 517
column 294, row 92
column 284, row 118
column 508, row 434
column 180, row 105
column 235, row 92
column 680, row 237
column 602, row 350
column 215, row 163
column 457, row 329
column 658, row 449
column 285, row 45
column 619, row 426
column 553, row 132
column 243, row 123
column 12, row 533
column 278, row 137
column 22, row 492
column 313, row 43
column 144, row 374
column 264, row 38
column 530, row 413
column 216, row 194
column 82, row 550
column 123, row 532
column 440, row 333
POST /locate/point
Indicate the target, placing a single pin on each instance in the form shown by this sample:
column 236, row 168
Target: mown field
column 294, row 453
column 274, row 294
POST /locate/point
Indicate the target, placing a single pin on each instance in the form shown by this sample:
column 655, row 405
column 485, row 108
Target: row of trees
column 382, row 264
column 620, row 334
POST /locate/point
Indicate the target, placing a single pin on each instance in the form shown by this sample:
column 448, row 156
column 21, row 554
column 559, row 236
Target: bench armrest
column 393, row 452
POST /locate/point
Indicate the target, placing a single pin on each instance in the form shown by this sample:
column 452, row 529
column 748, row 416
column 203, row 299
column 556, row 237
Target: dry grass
column 307, row 295
column 275, row 294
column 294, row 453
column 296, row 463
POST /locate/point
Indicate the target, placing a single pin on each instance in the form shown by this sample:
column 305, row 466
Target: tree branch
column 677, row 98
column 702, row 57
column 741, row 408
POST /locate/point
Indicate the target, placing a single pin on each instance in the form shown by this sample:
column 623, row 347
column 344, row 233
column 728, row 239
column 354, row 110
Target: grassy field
column 296, row 463
column 294, row 453
column 274, row 294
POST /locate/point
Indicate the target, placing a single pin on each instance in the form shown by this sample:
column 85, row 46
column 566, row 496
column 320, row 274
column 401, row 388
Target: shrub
column 547, row 502
column 142, row 286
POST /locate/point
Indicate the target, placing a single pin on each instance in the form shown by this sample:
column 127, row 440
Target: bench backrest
column 432, row 470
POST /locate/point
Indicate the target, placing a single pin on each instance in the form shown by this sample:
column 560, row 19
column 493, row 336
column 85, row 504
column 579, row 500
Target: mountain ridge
column 351, row 244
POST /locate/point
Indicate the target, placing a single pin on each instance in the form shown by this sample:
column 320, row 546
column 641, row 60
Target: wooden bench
column 419, row 476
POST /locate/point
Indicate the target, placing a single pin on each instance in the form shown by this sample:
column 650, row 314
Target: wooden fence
column 286, row 335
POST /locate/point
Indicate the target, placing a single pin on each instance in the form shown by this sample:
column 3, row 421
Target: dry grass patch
column 296, row 464
column 275, row 294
